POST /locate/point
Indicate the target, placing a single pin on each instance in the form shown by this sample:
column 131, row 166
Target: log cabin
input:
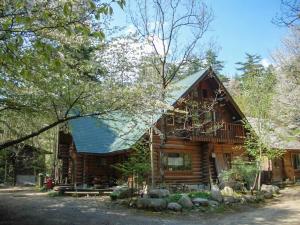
column 282, row 138
column 196, row 147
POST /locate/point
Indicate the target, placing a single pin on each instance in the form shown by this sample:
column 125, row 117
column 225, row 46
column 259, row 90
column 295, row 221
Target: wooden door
column 277, row 170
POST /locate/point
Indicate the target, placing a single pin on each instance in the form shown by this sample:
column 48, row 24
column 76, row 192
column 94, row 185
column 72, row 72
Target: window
column 204, row 93
column 296, row 159
column 177, row 161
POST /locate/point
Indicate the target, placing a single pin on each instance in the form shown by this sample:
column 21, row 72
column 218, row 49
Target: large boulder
column 174, row 206
column 213, row 203
column 268, row 195
column 270, row 188
column 156, row 204
column 200, row 202
column 186, row 202
column 227, row 191
column 121, row 192
column 159, row 193
column 249, row 198
column 143, row 203
column 216, row 193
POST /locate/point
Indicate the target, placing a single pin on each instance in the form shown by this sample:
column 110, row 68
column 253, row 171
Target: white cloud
column 158, row 43
column 265, row 62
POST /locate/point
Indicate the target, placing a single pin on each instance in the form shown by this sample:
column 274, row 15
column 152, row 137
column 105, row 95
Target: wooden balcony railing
column 219, row 131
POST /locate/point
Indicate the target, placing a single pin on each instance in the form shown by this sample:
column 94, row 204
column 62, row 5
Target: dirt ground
column 24, row 206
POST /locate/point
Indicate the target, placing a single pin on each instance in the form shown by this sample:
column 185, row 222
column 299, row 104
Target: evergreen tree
column 255, row 99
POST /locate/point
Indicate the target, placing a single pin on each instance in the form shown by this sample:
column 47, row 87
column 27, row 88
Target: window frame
column 187, row 162
column 296, row 166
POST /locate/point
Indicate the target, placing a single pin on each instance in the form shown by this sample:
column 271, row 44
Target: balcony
column 213, row 131
column 219, row 132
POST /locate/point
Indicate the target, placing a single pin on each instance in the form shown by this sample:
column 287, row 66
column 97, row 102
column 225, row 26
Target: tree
column 48, row 74
column 256, row 97
column 252, row 67
column 287, row 98
column 138, row 164
column 290, row 13
column 163, row 24
column 211, row 60
column 196, row 63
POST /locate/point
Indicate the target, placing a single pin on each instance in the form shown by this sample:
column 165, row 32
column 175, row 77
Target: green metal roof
column 116, row 131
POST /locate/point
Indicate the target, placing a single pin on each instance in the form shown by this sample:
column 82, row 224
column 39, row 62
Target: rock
column 270, row 188
column 121, row 192
column 227, row 191
column 213, row 203
column 268, row 195
column 249, row 198
column 216, row 193
column 143, row 203
column 174, row 206
column 186, row 202
column 259, row 197
column 229, row 200
column 200, row 202
column 158, row 193
column 156, row 204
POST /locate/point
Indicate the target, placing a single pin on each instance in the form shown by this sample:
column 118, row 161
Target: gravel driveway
column 26, row 207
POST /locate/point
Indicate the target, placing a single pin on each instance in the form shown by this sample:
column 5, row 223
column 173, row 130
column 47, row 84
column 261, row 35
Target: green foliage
column 257, row 86
column 174, row 197
column 200, row 194
column 257, row 143
column 210, row 60
column 113, row 196
column 47, row 53
column 241, row 171
column 54, row 194
column 138, row 163
column 42, row 189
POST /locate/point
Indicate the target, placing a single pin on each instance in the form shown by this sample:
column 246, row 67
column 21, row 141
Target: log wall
column 289, row 171
column 203, row 165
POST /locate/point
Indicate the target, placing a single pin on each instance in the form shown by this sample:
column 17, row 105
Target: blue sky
column 240, row 26
column 245, row 26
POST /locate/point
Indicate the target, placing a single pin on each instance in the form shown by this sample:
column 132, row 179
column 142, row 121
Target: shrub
column 54, row 194
column 113, row 196
column 174, row 198
column 241, row 171
column 200, row 194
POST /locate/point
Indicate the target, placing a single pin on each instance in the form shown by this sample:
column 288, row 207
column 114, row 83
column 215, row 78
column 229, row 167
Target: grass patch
column 200, row 194
column 41, row 189
column 54, row 194
column 220, row 209
column 174, row 198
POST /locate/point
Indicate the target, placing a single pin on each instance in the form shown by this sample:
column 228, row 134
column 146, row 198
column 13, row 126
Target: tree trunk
column 151, row 156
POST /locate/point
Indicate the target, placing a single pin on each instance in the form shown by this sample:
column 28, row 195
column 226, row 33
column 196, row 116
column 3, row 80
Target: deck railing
column 220, row 130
